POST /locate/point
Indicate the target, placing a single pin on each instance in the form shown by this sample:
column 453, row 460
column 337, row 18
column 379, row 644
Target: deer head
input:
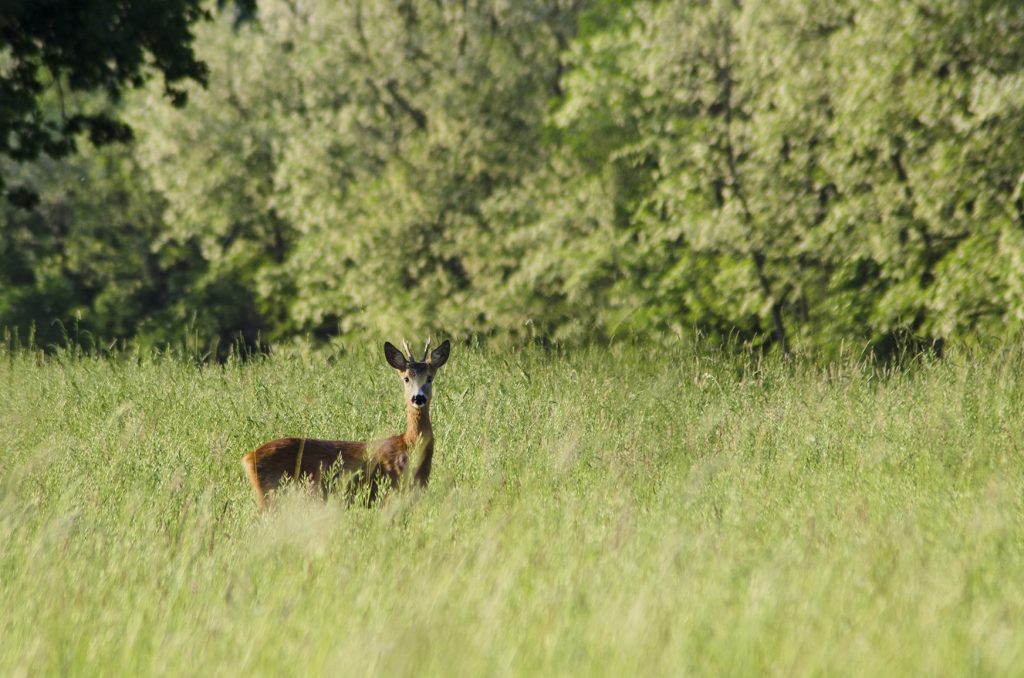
column 417, row 375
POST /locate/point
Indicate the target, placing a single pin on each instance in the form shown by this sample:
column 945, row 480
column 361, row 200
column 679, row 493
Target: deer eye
column 407, row 380
column 430, row 379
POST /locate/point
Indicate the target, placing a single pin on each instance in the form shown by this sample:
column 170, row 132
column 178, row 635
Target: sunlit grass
column 602, row 512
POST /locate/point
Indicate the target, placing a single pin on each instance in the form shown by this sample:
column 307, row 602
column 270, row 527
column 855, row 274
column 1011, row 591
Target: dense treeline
column 787, row 172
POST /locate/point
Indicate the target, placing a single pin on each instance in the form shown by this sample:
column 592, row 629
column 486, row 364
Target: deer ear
column 394, row 357
column 439, row 356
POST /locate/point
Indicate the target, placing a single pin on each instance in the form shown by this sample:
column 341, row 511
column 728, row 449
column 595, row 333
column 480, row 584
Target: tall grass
column 609, row 511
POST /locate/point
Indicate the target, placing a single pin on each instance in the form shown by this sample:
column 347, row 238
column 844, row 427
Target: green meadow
column 626, row 510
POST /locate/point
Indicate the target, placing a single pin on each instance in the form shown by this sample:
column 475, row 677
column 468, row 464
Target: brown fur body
column 381, row 462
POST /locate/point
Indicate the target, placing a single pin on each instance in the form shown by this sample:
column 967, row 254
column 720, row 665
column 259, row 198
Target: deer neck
column 418, row 425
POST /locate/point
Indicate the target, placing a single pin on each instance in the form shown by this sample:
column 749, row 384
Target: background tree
column 73, row 47
column 928, row 159
column 792, row 176
column 336, row 165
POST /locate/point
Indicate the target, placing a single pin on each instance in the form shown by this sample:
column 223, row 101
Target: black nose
column 419, row 399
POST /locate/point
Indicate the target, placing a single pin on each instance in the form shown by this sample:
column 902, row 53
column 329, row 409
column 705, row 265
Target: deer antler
column 408, row 351
column 426, row 349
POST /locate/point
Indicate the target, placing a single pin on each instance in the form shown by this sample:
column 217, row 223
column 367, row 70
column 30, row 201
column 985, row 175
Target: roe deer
column 375, row 462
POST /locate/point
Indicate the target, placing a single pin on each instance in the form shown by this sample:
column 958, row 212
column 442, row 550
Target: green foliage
column 93, row 46
column 595, row 512
column 792, row 175
column 83, row 258
column 335, row 166
column 826, row 163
